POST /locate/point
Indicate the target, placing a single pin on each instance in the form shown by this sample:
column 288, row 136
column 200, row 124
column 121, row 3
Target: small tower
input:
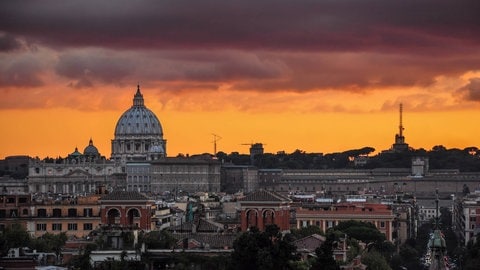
column 437, row 246
column 400, row 145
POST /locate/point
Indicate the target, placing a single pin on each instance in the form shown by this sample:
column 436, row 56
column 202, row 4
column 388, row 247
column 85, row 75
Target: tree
column 375, row 261
column 50, row 243
column 408, row 257
column 83, row 261
column 363, row 231
column 14, row 236
column 471, row 257
column 325, row 260
column 306, row 231
column 263, row 250
column 158, row 240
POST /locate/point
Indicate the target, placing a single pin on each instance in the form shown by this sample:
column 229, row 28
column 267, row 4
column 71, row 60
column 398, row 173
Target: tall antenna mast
column 216, row 138
column 400, row 127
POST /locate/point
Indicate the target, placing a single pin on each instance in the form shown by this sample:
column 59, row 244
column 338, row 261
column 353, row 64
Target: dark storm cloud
column 85, row 68
column 471, row 91
column 22, row 72
column 434, row 26
column 8, row 43
column 255, row 45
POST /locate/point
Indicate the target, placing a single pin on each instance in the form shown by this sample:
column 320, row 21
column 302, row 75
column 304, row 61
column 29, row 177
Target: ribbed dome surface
column 90, row 150
column 138, row 120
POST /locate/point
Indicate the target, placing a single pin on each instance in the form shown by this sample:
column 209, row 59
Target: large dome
column 138, row 120
column 138, row 134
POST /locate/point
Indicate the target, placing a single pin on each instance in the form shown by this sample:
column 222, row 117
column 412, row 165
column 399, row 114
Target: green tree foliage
column 465, row 160
column 375, row 261
column 263, row 250
column 158, row 240
column 325, row 260
column 306, row 231
column 470, row 259
column 359, row 230
column 83, row 260
column 14, row 236
column 50, row 243
column 408, row 257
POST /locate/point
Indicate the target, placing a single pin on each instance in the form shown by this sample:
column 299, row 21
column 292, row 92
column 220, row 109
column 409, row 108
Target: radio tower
column 400, row 127
column 400, row 145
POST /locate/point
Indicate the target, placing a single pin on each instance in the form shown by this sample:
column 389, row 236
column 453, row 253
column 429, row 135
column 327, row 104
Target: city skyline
column 316, row 76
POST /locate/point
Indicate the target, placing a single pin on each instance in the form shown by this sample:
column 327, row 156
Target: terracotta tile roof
column 119, row 195
column 265, row 196
column 213, row 240
column 202, row 226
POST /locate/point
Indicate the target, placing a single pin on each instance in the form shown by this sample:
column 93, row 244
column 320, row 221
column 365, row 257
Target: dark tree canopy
column 325, row 260
column 363, row 231
column 263, row 250
column 306, row 231
column 440, row 157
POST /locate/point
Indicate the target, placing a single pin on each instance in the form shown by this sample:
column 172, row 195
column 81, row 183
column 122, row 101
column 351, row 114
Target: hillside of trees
column 465, row 160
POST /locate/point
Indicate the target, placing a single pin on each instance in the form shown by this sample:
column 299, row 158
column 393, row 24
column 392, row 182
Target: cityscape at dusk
column 322, row 76
column 239, row 135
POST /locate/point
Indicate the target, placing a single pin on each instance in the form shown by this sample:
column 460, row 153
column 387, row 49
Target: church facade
column 138, row 162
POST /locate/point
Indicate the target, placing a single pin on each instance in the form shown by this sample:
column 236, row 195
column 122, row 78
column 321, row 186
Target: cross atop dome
column 138, row 98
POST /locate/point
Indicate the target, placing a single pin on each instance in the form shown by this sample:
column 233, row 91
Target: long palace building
column 138, row 162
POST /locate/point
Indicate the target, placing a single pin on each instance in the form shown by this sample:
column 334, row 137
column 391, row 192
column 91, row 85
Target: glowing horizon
column 326, row 80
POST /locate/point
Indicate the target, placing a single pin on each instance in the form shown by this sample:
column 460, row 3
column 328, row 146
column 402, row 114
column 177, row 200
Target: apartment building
column 327, row 216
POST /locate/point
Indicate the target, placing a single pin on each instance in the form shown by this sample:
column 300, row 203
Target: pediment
column 78, row 172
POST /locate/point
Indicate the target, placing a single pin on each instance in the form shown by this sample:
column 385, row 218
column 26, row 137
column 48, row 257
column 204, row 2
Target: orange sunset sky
column 319, row 76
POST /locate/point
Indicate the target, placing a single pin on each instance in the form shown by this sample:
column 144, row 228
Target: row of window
column 180, row 169
column 70, row 226
column 72, row 212
column 11, row 200
column 331, row 223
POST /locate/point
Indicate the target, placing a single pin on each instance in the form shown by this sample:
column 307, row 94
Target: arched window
column 268, row 217
column 113, row 216
column 133, row 216
column 252, row 218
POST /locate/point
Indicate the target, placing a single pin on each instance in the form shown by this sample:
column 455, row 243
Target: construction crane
column 216, row 138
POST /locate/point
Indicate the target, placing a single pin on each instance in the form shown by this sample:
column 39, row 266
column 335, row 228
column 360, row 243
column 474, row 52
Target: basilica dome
column 138, row 120
column 138, row 134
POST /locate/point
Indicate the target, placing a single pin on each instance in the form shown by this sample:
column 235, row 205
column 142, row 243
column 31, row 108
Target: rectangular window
column 72, row 212
column 72, row 226
column 87, row 226
column 56, row 226
column 41, row 227
column 382, row 224
column 87, row 212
